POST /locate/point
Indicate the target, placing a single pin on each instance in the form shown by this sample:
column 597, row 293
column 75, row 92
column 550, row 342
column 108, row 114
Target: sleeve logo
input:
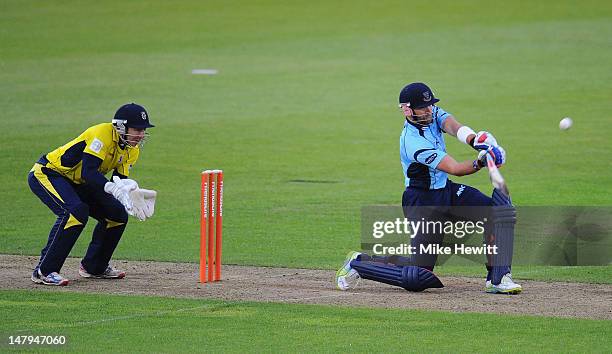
column 431, row 158
column 96, row 145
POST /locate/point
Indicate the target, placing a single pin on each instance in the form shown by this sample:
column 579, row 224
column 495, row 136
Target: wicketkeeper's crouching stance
column 70, row 181
column 425, row 165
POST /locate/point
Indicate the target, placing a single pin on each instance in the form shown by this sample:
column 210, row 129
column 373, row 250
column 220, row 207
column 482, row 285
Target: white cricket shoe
column 50, row 279
column 110, row 273
column 347, row 277
column 506, row 286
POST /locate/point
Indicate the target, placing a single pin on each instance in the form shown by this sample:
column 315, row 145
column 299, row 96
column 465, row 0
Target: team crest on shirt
column 120, row 159
column 426, row 96
column 96, row 145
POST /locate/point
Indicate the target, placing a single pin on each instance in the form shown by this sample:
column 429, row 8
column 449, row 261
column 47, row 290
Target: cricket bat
column 496, row 178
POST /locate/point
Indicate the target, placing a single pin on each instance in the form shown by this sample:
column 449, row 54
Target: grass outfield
column 123, row 323
column 303, row 93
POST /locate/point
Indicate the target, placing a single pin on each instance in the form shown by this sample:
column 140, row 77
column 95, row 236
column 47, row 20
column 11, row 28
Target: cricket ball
column 565, row 123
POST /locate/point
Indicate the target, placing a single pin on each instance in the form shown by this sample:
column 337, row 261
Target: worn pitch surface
column 307, row 286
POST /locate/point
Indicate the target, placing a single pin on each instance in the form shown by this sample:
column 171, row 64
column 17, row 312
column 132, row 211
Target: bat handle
column 496, row 178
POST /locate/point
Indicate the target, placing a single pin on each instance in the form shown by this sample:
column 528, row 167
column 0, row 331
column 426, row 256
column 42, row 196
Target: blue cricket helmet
column 133, row 116
column 418, row 95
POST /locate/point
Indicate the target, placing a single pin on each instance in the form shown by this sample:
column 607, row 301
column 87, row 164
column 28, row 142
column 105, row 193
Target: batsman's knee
column 418, row 279
column 411, row 278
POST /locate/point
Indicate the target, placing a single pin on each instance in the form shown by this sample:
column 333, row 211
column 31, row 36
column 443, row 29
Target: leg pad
column 411, row 278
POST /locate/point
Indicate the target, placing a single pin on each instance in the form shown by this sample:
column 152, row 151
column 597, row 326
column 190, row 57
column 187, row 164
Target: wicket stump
column 211, row 225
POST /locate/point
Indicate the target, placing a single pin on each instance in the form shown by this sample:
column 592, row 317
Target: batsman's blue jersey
column 421, row 150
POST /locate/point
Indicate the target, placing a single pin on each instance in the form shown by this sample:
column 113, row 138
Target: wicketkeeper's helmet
column 131, row 115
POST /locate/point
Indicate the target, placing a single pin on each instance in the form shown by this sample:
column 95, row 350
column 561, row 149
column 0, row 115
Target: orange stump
column 219, row 226
column 211, row 225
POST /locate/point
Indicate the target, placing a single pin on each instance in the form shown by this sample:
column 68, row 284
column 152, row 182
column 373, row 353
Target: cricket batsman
column 426, row 166
column 70, row 181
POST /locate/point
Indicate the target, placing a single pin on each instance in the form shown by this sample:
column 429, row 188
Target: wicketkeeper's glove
column 143, row 201
column 120, row 189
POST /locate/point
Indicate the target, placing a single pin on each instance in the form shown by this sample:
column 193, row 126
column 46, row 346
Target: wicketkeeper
column 426, row 166
column 70, row 181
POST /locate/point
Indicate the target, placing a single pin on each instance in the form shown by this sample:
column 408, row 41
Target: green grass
column 110, row 323
column 304, row 92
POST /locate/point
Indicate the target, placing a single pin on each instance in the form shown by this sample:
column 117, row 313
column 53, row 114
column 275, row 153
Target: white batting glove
column 484, row 140
column 120, row 189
